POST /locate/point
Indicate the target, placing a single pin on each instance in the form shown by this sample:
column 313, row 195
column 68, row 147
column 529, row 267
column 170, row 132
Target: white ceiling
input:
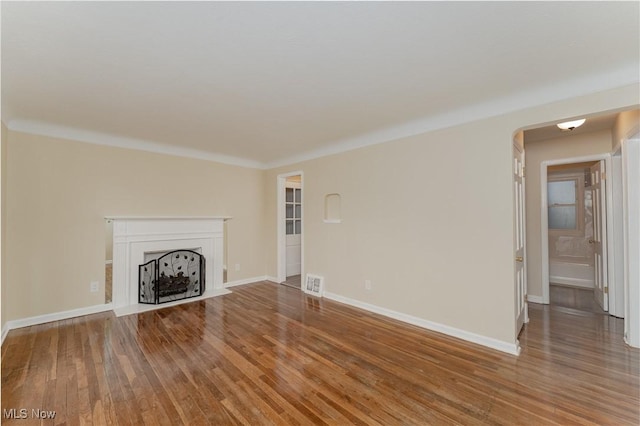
column 266, row 83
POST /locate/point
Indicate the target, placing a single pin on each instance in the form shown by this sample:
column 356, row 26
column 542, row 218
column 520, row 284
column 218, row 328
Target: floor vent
column 314, row 285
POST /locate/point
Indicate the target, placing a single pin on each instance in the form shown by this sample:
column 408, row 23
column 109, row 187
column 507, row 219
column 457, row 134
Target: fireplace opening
column 176, row 275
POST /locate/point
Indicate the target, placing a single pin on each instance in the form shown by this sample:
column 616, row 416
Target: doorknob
column 519, row 259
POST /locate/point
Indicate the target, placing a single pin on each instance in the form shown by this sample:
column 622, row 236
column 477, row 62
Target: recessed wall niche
column 332, row 208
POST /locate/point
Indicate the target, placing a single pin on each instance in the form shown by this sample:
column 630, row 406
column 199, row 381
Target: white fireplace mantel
column 134, row 236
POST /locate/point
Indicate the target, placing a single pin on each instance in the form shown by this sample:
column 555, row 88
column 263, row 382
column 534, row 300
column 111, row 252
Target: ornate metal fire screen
column 174, row 276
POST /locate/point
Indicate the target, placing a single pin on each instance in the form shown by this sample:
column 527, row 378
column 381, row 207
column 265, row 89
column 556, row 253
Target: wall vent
column 314, row 285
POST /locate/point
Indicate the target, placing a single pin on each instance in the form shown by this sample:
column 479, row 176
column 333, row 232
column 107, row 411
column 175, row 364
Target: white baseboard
column 246, row 281
column 5, row 330
column 272, row 279
column 535, row 299
column 56, row 316
column 510, row 348
column 573, row 282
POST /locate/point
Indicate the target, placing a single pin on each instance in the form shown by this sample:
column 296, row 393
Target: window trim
column 578, row 178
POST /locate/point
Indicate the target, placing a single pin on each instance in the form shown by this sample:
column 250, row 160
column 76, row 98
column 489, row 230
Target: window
column 293, row 206
column 564, row 200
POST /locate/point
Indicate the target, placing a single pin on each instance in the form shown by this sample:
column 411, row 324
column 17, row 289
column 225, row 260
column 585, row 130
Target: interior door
column 293, row 227
column 520, row 278
column 599, row 241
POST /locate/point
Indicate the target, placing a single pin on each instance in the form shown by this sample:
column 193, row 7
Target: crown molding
column 528, row 99
column 96, row 138
column 583, row 86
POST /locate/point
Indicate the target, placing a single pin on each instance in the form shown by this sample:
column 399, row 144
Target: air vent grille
column 314, row 285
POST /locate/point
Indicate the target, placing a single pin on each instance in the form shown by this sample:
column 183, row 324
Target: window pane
column 561, row 192
column 289, row 208
column 298, row 195
column 562, row 217
column 298, row 227
column 298, row 211
column 289, row 227
column 289, row 195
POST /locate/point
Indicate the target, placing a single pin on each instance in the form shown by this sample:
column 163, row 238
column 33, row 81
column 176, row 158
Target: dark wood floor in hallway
column 268, row 354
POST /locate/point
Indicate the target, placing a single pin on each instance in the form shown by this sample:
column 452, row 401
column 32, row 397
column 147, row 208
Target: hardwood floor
column 581, row 299
column 108, row 280
column 268, row 354
column 293, row 281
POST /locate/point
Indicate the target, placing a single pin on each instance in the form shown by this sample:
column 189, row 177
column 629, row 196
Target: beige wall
column 536, row 152
column 3, row 227
column 626, row 122
column 405, row 226
column 428, row 219
column 60, row 191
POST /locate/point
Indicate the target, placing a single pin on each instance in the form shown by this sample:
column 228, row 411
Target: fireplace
column 176, row 275
column 139, row 240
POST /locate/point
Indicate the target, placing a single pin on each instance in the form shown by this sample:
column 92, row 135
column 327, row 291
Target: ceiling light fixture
column 570, row 125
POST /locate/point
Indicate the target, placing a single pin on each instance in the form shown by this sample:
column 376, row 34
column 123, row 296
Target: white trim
column 272, row 279
column 536, row 299
column 631, row 224
column 147, row 218
column 514, row 102
column 544, row 224
column 583, row 86
column 108, row 262
column 332, row 220
column 635, row 129
column 139, row 308
column 56, row 316
column 613, row 290
column 574, row 282
column 281, row 182
column 246, row 281
column 95, row 138
column 616, row 300
column 133, row 237
column 5, row 331
column 510, row 348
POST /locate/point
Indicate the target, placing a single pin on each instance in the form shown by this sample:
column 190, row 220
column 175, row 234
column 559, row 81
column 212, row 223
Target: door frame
column 544, row 220
column 617, row 304
column 520, row 207
column 280, row 226
column 630, row 151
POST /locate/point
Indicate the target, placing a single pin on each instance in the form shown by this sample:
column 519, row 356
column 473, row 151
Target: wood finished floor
column 578, row 298
column 268, row 354
column 293, row 281
column 108, row 280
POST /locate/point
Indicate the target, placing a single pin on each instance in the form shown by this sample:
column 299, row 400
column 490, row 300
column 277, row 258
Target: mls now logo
column 23, row 413
column 14, row 413
column 37, row 413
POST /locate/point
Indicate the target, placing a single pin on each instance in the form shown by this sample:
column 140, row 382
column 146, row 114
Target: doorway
column 577, row 239
column 619, row 270
column 290, row 229
column 576, row 218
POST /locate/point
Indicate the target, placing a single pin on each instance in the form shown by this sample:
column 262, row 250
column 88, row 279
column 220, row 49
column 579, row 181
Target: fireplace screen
column 174, row 276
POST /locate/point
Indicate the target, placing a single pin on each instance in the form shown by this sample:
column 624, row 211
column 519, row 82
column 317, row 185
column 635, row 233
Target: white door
column 293, row 227
column 599, row 241
column 520, row 278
